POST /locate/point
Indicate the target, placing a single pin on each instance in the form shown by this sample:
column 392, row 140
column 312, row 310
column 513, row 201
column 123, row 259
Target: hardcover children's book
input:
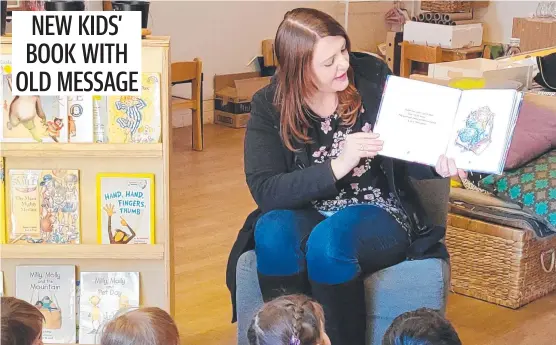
column 103, row 295
column 100, row 119
column 2, row 202
column 44, row 206
column 30, row 118
column 125, row 208
column 52, row 290
column 80, row 119
column 136, row 119
column 420, row 121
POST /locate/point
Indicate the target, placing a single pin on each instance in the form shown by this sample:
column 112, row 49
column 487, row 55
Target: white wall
column 498, row 18
column 226, row 35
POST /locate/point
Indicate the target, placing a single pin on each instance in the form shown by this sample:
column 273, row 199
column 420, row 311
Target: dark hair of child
column 21, row 322
column 421, row 327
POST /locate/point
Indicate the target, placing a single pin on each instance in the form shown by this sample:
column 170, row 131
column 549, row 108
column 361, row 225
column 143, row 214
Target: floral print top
column 366, row 184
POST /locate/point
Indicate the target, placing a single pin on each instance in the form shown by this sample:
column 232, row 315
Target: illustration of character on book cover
column 51, row 289
column 30, row 118
column 126, row 209
column 56, row 219
column 136, row 119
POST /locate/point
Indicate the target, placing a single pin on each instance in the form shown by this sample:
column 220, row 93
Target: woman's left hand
column 446, row 167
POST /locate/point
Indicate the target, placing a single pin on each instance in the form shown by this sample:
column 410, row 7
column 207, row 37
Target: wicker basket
column 446, row 6
column 498, row 264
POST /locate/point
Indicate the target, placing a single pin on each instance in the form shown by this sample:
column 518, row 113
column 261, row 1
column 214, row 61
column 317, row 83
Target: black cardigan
column 281, row 179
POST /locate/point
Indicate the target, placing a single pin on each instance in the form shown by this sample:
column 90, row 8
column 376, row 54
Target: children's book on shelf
column 80, row 119
column 420, row 121
column 77, row 304
column 52, row 290
column 103, row 295
column 30, row 118
column 2, row 202
column 100, row 119
column 125, row 208
column 44, row 206
column 136, row 119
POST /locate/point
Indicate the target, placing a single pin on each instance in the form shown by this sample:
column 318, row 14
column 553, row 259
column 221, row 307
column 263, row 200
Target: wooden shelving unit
column 154, row 262
column 80, row 150
column 82, row 251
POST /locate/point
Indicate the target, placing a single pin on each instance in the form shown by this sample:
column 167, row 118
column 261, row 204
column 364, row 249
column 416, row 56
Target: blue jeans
column 356, row 240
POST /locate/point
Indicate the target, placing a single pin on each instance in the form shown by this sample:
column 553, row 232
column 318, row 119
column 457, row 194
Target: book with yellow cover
column 2, row 203
column 125, row 208
column 44, row 206
column 136, row 119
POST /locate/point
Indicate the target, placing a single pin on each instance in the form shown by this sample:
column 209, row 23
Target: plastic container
column 4, row 14
column 142, row 6
column 61, row 5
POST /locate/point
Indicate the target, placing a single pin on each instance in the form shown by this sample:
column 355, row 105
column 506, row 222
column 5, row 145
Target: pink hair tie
column 295, row 341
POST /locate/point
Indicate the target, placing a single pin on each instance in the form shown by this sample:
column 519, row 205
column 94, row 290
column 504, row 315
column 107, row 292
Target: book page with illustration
column 415, row 119
column 483, row 128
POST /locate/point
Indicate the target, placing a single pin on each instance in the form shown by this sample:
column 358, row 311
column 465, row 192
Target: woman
column 330, row 209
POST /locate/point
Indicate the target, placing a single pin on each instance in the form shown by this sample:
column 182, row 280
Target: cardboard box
column 445, row 36
column 230, row 120
column 482, row 68
column 534, row 33
column 232, row 97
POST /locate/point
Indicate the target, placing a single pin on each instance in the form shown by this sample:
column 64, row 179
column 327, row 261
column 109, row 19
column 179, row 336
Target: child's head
column 21, row 322
column 144, row 326
column 289, row 320
column 421, row 327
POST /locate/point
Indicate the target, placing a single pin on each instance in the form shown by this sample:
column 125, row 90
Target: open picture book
column 419, row 121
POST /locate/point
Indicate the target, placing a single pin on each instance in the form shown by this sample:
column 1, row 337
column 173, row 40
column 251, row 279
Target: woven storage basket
column 499, row 264
column 446, row 6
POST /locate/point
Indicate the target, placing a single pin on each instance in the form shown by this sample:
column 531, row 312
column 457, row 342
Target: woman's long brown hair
column 295, row 40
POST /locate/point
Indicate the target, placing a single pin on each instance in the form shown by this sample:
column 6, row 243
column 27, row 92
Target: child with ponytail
column 289, row 320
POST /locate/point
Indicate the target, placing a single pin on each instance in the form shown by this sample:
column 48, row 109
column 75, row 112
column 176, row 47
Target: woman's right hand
column 356, row 146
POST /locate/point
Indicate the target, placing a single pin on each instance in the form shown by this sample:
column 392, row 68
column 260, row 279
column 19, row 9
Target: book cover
column 2, row 202
column 100, row 119
column 136, row 119
column 125, row 208
column 45, row 206
column 80, row 119
column 30, row 118
column 103, row 295
column 52, row 290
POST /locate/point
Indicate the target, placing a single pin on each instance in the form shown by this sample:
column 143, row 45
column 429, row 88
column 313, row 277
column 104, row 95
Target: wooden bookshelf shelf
column 80, row 150
column 82, row 251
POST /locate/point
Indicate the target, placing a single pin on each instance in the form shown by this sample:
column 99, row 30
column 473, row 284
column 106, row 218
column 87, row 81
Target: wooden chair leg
column 197, row 128
column 197, row 116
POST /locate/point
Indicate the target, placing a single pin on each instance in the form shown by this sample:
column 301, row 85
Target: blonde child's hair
column 143, row 326
column 288, row 320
